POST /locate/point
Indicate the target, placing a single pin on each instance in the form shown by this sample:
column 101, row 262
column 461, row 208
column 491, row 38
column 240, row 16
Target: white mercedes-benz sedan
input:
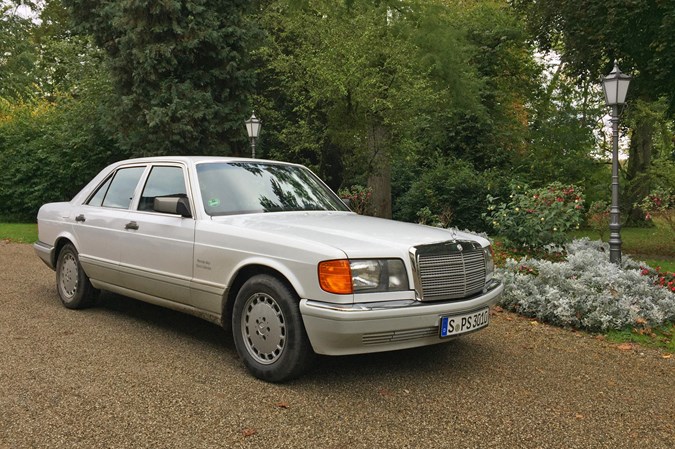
column 268, row 251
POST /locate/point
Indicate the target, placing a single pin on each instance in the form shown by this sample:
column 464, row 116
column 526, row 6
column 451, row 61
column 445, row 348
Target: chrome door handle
column 80, row 218
column 131, row 225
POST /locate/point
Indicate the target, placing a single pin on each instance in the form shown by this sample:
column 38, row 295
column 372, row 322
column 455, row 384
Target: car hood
column 355, row 235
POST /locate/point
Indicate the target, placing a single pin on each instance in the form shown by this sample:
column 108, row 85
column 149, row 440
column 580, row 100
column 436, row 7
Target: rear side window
column 97, row 199
column 118, row 191
column 162, row 182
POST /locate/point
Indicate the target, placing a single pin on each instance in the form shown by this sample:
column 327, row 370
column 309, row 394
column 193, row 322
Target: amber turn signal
column 335, row 276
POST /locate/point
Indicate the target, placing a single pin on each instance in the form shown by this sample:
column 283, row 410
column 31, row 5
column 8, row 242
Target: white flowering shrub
column 586, row 291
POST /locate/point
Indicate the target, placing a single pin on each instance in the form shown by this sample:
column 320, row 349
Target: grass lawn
column 19, row 232
column 662, row 337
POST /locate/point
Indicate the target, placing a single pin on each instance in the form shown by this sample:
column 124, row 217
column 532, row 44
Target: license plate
column 460, row 324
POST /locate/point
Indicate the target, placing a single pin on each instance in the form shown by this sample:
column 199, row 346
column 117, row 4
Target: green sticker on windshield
column 214, row 202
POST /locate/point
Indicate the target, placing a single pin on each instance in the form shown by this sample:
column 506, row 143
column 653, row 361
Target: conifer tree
column 179, row 70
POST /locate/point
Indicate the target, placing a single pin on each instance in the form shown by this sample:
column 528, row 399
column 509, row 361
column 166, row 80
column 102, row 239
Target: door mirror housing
column 175, row 205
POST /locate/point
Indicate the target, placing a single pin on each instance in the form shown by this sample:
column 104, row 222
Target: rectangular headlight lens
column 378, row 275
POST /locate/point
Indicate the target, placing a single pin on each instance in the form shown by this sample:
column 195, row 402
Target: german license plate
column 460, row 324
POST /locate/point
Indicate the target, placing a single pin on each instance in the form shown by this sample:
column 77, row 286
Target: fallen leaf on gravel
column 282, row 404
column 534, row 323
column 247, row 432
column 384, row 392
column 600, row 337
column 625, row 346
column 580, row 416
column 640, row 321
column 667, row 356
column 497, row 309
column 508, row 318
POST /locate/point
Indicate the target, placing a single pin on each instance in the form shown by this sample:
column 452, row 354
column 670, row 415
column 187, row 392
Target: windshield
column 251, row 187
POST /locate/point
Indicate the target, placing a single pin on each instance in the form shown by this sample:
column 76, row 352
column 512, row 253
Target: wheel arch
column 242, row 275
column 60, row 242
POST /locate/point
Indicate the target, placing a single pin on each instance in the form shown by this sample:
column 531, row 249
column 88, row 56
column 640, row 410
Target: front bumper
column 335, row 329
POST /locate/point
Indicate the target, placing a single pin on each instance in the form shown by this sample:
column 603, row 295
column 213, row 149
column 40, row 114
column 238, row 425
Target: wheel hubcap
column 263, row 328
column 69, row 276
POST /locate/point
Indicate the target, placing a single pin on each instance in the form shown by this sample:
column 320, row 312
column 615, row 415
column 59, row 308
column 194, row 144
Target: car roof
column 196, row 160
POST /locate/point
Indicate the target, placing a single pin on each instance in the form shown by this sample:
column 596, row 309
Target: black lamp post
column 615, row 86
column 253, row 126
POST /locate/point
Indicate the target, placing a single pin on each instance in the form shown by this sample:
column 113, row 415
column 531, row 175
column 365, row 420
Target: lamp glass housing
column 253, row 125
column 615, row 86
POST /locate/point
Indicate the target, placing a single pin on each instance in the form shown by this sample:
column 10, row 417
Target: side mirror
column 172, row 205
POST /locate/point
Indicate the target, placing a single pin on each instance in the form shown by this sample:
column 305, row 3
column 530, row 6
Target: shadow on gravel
column 461, row 354
column 165, row 319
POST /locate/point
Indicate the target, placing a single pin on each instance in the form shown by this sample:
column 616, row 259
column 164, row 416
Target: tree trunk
column 639, row 160
column 379, row 178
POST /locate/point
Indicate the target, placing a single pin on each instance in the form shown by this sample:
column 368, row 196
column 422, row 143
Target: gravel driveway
column 128, row 374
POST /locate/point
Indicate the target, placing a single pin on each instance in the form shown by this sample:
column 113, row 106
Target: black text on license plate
column 459, row 324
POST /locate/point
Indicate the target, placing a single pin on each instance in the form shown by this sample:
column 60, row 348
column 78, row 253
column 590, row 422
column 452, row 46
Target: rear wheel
column 268, row 330
column 75, row 290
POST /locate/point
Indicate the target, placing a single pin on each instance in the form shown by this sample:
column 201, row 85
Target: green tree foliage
column 353, row 88
column 52, row 137
column 50, row 150
column 348, row 82
column 563, row 125
column 17, row 54
column 179, row 71
column 638, row 33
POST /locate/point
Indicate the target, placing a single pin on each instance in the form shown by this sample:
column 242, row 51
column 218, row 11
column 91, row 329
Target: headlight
column 489, row 263
column 362, row 276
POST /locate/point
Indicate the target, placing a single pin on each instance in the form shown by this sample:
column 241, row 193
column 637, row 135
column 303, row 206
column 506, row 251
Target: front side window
column 248, row 187
column 162, row 182
column 118, row 192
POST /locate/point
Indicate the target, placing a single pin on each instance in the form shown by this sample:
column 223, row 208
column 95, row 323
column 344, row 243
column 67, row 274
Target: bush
column 660, row 204
column 452, row 192
column 48, row 152
column 597, row 218
column 586, row 291
column 360, row 198
column 535, row 218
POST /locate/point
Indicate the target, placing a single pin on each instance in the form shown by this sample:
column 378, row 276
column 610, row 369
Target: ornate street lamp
column 253, row 126
column 615, row 86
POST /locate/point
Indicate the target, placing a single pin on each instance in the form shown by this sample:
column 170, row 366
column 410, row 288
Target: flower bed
column 586, row 291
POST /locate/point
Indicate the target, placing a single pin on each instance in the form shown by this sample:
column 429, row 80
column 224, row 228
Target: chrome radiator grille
column 449, row 270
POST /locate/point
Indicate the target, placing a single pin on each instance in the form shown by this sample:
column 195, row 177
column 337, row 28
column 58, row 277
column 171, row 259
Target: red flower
column 645, row 272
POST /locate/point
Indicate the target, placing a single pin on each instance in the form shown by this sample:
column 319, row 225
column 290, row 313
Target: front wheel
column 75, row 290
column 268, row 330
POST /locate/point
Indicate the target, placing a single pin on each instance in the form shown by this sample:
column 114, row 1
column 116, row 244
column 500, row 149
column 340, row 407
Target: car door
column 156, row 249
column 100, row 222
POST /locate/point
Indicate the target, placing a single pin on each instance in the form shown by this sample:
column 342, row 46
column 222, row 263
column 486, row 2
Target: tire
column 75, row 290
column 268, row 330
